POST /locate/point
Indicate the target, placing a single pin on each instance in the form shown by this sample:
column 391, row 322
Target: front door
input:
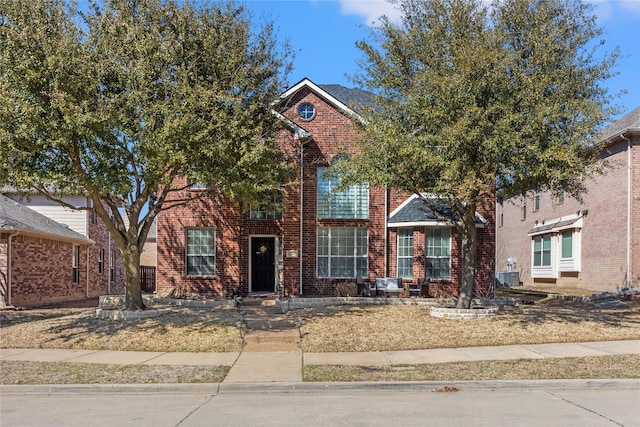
column 263, row 266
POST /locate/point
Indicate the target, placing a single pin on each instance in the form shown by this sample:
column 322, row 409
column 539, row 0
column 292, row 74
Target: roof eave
column 48, row 236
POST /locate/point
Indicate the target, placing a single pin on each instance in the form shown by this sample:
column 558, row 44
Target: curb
column 311, row 387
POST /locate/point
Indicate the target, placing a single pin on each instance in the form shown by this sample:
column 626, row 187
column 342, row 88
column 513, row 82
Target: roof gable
column 414, row 212
column 337, row 96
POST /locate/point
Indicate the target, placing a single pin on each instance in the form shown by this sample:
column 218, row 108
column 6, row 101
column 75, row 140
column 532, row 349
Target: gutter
column 303, row 141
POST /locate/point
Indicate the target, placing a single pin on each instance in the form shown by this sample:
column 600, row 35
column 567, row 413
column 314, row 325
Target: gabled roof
column 350, row 96
column 414, row 212
column 17, row 217
column 338, row 96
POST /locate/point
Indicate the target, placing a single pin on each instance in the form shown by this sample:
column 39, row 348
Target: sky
column 323, row 34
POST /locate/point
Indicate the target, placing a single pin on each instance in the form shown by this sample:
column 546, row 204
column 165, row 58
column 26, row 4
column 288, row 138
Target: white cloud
column 608, row 10
column 371, row 10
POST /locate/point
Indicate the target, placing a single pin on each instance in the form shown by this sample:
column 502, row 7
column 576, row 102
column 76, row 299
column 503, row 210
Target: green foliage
column 478, row 100
column 116, row 101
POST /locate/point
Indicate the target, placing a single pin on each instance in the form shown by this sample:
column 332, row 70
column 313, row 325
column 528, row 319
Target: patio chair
column 363, row 288
column 423, row 286
column 388, row 286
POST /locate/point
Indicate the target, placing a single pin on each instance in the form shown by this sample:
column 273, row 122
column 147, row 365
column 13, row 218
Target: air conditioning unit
column 505, row 279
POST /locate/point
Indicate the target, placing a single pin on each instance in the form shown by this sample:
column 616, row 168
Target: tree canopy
column 116, row 100
column 477, row 100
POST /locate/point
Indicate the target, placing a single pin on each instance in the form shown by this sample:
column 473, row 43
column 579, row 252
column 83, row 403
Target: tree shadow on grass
column 80, row 328
column 576, row 312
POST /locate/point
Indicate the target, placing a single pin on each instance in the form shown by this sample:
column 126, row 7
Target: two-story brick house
column 592, row 245
column 49, row 253
column 319, row 236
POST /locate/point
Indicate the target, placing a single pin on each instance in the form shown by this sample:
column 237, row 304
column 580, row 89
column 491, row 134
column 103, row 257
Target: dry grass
column 348, row 328
column 340, row 329
column 184, row 329
column 600, row 367
column 18, row 372
column 345, row 328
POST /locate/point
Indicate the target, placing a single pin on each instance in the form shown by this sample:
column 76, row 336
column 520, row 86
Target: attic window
column 306, row 111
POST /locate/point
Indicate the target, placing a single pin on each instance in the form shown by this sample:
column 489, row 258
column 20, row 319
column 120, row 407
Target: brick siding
column 332, row 132
column 604, row 230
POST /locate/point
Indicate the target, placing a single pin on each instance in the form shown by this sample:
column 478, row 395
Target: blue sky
column 323, row 34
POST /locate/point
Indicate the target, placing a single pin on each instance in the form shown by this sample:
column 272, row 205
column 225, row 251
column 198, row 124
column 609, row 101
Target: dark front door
column 263, row 264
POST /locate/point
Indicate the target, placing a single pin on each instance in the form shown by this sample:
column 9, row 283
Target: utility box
column 506, row 279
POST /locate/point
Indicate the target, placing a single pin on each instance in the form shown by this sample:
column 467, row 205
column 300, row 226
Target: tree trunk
column 469, row 250
column 133, row 291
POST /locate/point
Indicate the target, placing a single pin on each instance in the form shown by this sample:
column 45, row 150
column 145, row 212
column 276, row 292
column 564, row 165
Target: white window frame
column 75, row 264
column 404, row 264
column 554, row 231
column 101, row 261
column 200, row 249
column 335, row 204
column 430, row 233
column 270, row 211
column 571, row 263
column 112, row 266
column 353, row 250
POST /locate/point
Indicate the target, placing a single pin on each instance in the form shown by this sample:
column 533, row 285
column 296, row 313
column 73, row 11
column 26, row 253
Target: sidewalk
column 286, row 366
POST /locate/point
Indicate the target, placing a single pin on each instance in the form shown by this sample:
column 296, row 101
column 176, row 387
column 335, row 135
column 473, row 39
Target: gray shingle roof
column 628, row 122
column 17, row 217
column 416, row 211
column 352, row 98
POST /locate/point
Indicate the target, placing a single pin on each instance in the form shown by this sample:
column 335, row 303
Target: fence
column 147, row 278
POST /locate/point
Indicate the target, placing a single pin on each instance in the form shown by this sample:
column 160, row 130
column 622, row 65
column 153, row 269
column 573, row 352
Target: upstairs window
column 268, row 211
column 352, row 202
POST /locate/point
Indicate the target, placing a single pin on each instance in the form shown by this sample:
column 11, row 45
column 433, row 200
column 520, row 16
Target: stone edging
column 304, row 302
column 116, row 302
column 457, row 313
column 130, row 314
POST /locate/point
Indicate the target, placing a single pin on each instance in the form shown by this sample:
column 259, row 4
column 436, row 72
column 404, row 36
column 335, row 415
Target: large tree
column 476, row 100
column 116, row 100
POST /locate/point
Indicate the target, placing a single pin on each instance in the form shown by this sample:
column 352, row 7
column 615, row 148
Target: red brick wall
column 332, row 132
column 41, row 271
column 214, row 212
column 99, row 283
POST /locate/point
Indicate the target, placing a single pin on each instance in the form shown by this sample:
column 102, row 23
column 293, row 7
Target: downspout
column 88, row 225
column 302, row 143
column 8, row 302
column 386, row 230
column 108, row 256
column 629, row 177
column 87, row 292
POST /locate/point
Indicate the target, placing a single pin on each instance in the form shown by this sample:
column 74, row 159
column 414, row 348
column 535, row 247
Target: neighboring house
column 149, row 255
column 45, row 267
column 592, row 245
column 315, row 237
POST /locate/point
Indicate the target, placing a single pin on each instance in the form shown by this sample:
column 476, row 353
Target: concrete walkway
column 286, row 366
